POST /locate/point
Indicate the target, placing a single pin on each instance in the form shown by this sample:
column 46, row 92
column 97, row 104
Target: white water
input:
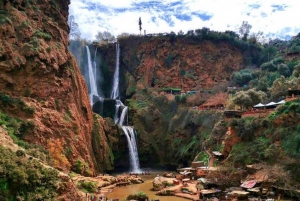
column 92, row 81
column 123, row 116
column 129, row 132
column 133, row 154
column 115, row 88
column 118, row 105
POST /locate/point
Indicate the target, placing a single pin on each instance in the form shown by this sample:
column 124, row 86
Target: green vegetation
column 140, row 196
column 87, row 186
column 243, row 77
column 40, row 34
column 25, row 179
column 10, row 102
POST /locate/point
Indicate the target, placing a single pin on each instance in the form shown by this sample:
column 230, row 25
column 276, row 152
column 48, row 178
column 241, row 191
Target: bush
column 87, row 186
column 243, row 77
column 25, row 178
column 141, row 196
column 268, row 66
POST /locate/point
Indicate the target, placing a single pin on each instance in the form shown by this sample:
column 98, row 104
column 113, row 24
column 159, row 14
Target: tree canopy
column 105, row 37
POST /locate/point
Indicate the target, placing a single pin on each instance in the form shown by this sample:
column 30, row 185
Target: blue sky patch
column 262, row 14
column 183, row 17
column 278, row 8
column 255, row 6
column 168, row 19
column 203, row 16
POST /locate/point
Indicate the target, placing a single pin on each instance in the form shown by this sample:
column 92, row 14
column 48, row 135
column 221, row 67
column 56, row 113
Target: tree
column 258, row 38
column 284, row 70
column 123, row 35
column 296, row 72
column 74, row 31
column 242, row 77
column 281, row 85
column 246, row 99
column 105, row 37
column 140, row 25
column 180, row 33
column 244, row 29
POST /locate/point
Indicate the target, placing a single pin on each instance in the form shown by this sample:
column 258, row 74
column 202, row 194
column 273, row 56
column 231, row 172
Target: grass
column 40, row 34
column 8, row 101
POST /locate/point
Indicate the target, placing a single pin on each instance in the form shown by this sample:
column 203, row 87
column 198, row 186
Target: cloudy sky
column 275, row 18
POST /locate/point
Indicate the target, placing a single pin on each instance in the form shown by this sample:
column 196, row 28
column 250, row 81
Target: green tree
column 269, row 66
column 105, row 37
column 180, row 33
column 296, row 72
column 243, row 77
column 123, row 35
column 281, row 85
column 284, row 70
column 246, row 99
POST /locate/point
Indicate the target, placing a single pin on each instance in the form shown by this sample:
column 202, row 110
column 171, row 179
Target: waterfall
column 128, row 131
column 115, row 88
column 123, row 116
column 133, row 154
column 92, row 82
column 118, row 105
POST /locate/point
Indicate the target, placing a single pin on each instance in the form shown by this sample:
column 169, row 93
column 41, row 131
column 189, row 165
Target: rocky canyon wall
column 41, row 83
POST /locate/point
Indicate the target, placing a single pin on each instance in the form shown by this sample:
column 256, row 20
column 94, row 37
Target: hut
column 217, row 101
column 197, row 164
column 174, row 91
column 218, row 155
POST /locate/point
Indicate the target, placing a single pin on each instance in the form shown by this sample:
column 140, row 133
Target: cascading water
column 123, row 116
column 133, row 154
column 118, row 105
column 92, row 81
column 129, row 131
column 115, row 88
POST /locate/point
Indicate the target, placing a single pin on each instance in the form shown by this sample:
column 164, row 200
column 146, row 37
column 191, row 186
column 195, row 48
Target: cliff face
column 40, row 81
column 180, row 62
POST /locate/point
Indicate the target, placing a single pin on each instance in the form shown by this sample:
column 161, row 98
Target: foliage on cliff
column 274, row 140
column 25, row 178
column 169, row 133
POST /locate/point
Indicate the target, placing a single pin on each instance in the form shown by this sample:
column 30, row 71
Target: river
column 122, row 192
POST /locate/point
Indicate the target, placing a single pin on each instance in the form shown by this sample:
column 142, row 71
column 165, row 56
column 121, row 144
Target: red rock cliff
column 180, row 62
column 37, row 70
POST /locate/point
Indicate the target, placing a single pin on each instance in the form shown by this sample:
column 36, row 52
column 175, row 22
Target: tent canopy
column 281, row 102
column 259, row 105
column 271, row 104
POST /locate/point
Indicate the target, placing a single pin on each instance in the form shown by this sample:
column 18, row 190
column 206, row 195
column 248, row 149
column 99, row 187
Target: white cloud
column 276, row 17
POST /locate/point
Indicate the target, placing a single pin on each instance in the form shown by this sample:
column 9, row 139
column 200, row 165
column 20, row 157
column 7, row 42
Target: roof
column 217, row 153
column 280, row 102
column 185, row 173
column 271, row 104
column 167, row 89
column 205, row 192
column 259, row 105
column 248, row 184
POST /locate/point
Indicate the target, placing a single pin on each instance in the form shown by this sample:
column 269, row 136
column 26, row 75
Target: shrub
column 25, row 178
column 87, row 186
column 243, row 77
column 268, row 66
column 41, row 34
column 141, row 196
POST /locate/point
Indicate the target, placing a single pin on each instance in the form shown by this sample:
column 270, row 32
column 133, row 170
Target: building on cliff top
column 174, row 91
